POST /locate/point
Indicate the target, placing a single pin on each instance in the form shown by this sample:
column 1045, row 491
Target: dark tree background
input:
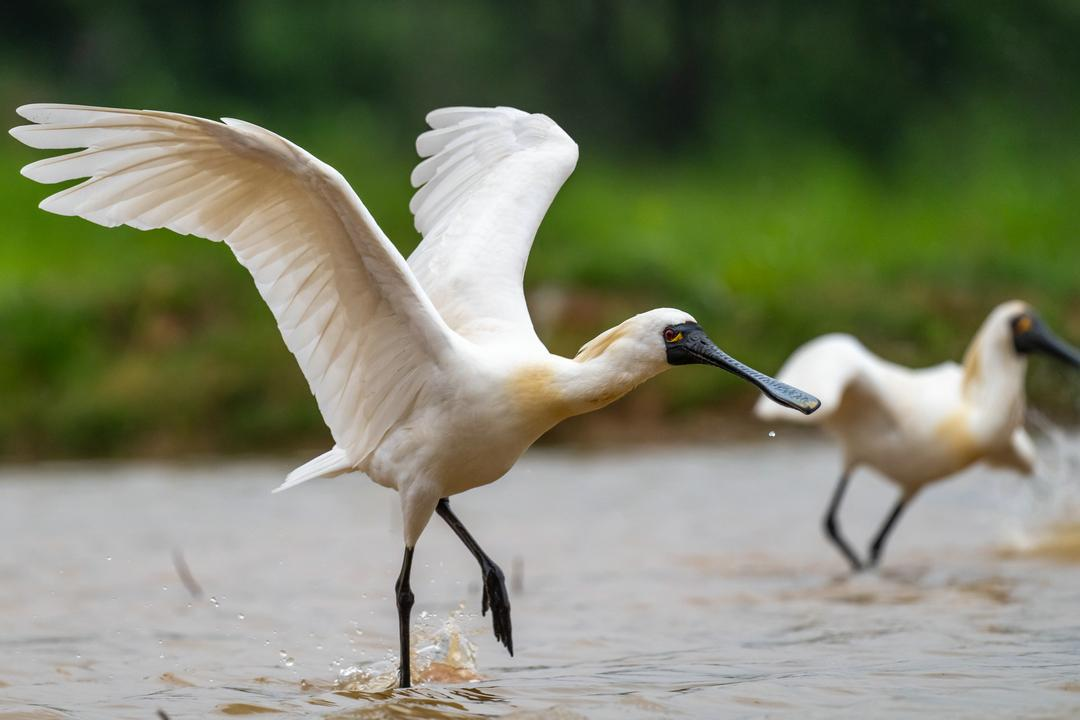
column 779, row 168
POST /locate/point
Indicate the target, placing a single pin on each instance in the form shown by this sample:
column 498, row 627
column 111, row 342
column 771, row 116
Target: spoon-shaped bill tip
column 706, row 352
column 788, row 396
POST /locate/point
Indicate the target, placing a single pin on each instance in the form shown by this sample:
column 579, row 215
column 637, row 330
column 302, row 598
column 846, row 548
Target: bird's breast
column 533, row 397
column 957, row 439
column 474, row 431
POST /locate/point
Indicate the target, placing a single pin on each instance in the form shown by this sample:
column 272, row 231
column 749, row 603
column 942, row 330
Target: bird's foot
column 857, row 565
column 496, row 598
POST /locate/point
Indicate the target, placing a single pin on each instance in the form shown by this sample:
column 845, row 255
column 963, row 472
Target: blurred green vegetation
column 778, row 169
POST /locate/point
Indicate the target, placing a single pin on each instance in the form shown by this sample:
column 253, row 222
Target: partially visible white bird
column 428, row 373
column 916, row 427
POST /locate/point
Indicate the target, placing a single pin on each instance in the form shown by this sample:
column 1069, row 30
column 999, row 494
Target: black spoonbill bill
column 428, row 372
column 916, row 427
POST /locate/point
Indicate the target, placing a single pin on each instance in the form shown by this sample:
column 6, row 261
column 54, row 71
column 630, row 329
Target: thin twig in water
column 162, row 714
column 184, row 572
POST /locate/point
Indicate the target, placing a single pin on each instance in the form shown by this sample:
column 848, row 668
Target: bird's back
column 910, row 424
column 827, row 367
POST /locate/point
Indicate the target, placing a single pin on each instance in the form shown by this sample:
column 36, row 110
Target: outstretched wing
column 839, row 371
column 489, row 178
column 364, row 333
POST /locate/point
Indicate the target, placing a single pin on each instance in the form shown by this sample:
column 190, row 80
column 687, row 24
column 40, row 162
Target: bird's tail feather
column 329, row 464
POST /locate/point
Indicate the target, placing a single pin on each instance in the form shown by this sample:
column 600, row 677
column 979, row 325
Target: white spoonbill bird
column 916, row 427
column 428, row 373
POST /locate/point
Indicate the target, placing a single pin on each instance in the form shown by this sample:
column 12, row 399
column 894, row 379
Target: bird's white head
column 995, row 362
column 649, row 343
column 638, row 340
column 1012, row 331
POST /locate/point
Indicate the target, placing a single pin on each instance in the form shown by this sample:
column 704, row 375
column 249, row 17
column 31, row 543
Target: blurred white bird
column 916, row 427
column 428, row 373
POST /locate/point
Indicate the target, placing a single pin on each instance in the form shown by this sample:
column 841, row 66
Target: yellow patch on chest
column 533, row 391
column 957, row 436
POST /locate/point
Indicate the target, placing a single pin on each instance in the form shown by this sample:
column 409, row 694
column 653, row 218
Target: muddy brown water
column 688, row 582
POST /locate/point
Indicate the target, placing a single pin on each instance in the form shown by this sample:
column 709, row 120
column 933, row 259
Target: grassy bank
column 116, row 342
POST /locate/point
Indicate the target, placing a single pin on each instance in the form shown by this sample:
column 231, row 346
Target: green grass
column 117, row 342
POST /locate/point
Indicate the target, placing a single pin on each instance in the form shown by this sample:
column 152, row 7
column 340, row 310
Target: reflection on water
column 687, row 583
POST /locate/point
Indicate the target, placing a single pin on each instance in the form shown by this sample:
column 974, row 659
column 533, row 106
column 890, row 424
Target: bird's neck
column 994, row 384
column 546, row 393
column 549, row 391
column 594, row 382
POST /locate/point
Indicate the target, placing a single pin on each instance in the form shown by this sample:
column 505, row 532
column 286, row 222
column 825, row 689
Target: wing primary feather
column 338, row 288
column 486, row 181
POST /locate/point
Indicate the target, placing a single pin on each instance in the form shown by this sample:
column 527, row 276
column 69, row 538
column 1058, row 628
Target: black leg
column 879, row 542
column 833, row 530
column 404, row 609
column 495, row 595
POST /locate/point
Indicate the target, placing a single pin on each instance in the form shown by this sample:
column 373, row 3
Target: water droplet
column 108, row 557
column 772, row 433
column 286, row 659
column 239, row 616
column 164, row 588
column 214, row 601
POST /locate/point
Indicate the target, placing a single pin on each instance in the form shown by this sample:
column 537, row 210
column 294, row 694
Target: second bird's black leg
column 832, row 530
column 404, row 609
column 878, row 545
column 495, row 595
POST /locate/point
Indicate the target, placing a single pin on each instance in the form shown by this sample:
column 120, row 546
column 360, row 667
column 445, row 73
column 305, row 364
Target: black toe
column 496, row 597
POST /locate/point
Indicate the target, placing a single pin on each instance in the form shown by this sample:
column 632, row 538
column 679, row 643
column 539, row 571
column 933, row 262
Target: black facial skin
column 687, row 344
column 1030, row 336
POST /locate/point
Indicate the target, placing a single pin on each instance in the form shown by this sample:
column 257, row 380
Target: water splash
column 441, row 653
column 1048, row 523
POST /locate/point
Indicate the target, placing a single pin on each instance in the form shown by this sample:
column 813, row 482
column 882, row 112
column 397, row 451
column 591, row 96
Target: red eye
column 670, row 334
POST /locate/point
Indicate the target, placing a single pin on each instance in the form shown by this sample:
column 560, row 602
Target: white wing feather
column 366, row 336
column 827, row 367
column 489, row 176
